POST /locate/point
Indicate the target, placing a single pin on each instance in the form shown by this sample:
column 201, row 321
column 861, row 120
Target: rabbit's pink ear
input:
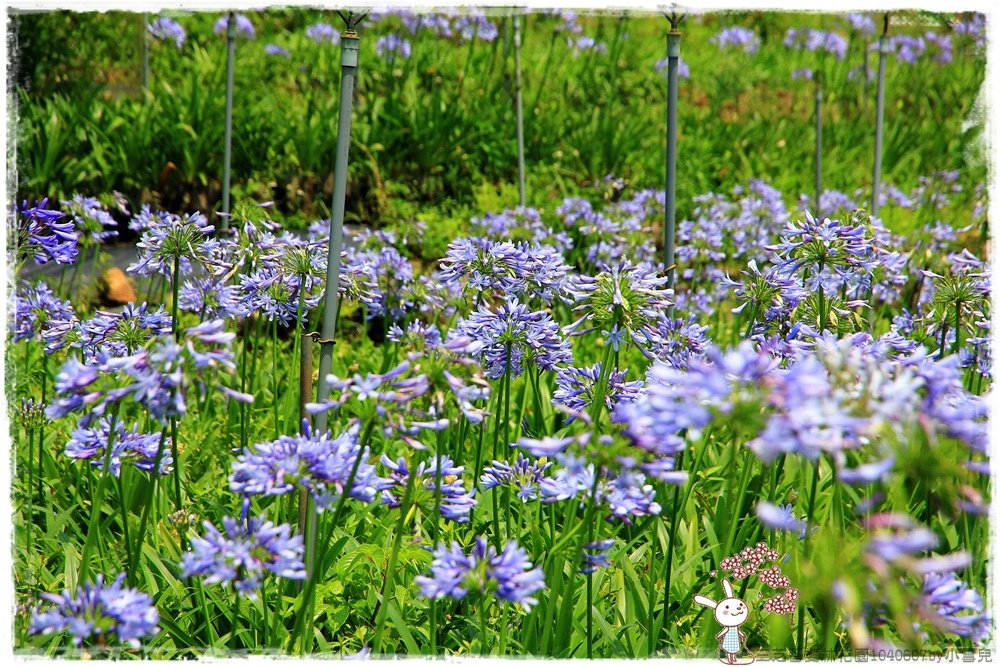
column 705, row 602
column 728, row 587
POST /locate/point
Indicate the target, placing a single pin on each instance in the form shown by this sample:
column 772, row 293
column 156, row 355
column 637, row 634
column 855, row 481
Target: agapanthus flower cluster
column 392, row 46
column 211, row 298
column 244, row 553
column 323, row 32
column 36, row 310
column 766, row 298
column 620, row 486
column 42, row 236
column 92, row 218
column 860, row 24
column 439, row 481
column 524, row 475
column 122, row 334
column 288, row 286
column 174, row 239
column 156, row 377
column 973, row 29
column 164, row 28
column 383, row 280
column 243, row 26
column 730, row 384
column 318, row 462
column 509, row 575
column 586, row 43
column 595, row 555
column 276, row 50
column 737, row 36
column 625, row 302
column 100, row 612
column 817, row 40
column 513, row 336
column 476, row 25
column 126, row 445
column 575, row 389
column 778, row 518
column 954, row 607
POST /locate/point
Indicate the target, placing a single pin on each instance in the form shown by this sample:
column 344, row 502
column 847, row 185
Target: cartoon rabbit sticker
column 731, row 612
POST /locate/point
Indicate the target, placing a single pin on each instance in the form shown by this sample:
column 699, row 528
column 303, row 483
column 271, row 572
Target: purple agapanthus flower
column 514, row 335
column 99, row 611
column 737, row 36
column 391, row 46
column 817, row 40
column 509, row 574
column 956, row 608
column 575, row 389
column 318, row 463
column 276, row 50
column 243, row 553
column 523, row 474
column 174, row 239
column 778, row 518
column 164, row 27
column 586, row 43
column 243, row 26
column 323, row 32
column 595, row 556
column 42, row 236
column 128, row 445
column 36, row 311
column 476, row 25
column 455, row 502
column 627, row 298
column 860, row 24
column 92, row 219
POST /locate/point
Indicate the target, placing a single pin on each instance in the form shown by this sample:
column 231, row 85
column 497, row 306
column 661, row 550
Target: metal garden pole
column 520, row 110
column 349, row 65
column 819, row 143
column 673, row 57
column 228, row 154
column 883, row 51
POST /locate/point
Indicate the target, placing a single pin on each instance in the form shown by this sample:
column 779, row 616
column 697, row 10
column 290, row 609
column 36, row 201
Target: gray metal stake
column 673, row 56
column 883, row 51
column 819, row 144
column 349, row 64
column 520, row 110
column 228, row 150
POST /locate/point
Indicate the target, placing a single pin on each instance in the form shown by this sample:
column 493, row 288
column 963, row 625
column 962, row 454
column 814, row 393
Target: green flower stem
column 31, row 495
column 601, row 388
column 41, row 428
column 148, row 502
column 176, row 279
column 236, row 615
column 482, row 627
column 737, row 512
column 204, row 612
column 805, row 547
column 94, row 534
column 591, row 520
column 274, row 375
column 123, row 508
column 668, row 561
column 390, row 574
